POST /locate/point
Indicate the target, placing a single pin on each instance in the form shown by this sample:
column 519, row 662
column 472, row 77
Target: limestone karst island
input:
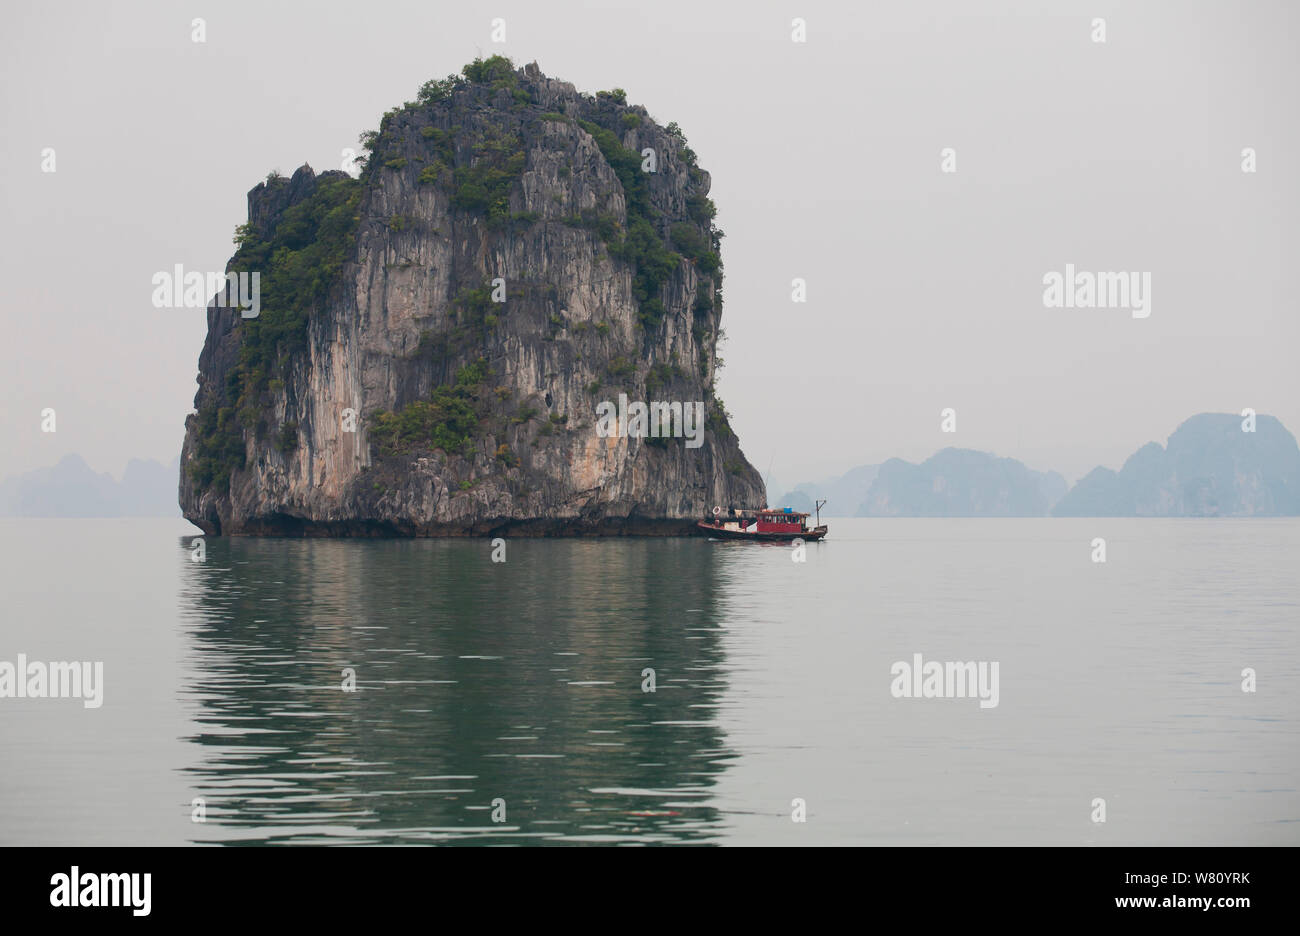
column 435, row 336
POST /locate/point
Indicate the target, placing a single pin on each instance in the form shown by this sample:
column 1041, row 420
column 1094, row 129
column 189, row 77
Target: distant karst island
column 435, row 335
column 72, row 488
column 1214, row 465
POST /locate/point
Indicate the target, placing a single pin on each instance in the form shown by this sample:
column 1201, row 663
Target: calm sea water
column 522, row 682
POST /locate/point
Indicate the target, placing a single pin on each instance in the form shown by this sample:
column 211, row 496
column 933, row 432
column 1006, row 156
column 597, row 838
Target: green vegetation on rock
column 484, row 186
column 641, row 243
column 446, row 421
column 299, row 260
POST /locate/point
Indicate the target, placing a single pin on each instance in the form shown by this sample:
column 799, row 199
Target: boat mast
column 818, row 508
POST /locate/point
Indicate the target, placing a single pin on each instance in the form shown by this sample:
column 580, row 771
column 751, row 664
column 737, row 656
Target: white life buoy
column 717, row 511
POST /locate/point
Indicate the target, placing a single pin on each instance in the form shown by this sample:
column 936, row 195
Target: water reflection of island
column 475, row 680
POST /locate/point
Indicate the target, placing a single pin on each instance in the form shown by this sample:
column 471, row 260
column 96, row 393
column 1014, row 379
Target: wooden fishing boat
column 769, row 525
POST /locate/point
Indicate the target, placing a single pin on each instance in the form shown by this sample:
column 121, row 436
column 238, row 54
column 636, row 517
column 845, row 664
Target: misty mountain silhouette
column 72, row 489
column 1210, row 468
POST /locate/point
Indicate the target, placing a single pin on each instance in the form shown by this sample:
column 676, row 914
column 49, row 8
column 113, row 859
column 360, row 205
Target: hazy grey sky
column 925, row 289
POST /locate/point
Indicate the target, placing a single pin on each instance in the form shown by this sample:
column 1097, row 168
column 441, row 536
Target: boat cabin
column 783, row 520
column 781, row 524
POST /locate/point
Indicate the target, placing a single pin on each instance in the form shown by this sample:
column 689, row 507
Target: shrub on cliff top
column 496, row 70
column 498, row 73
column 433, row 90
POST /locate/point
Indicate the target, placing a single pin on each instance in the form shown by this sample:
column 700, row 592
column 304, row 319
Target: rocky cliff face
column 1210, row 468
column 436, row 335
